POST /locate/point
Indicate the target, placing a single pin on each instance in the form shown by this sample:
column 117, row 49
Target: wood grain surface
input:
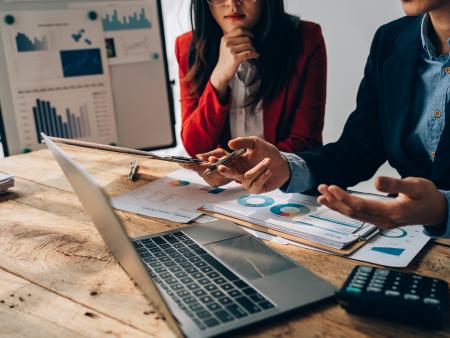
column 57, row 279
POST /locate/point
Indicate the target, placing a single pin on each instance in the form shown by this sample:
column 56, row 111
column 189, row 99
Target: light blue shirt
column 432, row 98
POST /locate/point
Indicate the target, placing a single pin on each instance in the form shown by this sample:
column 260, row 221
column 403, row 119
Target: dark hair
column 276, row 41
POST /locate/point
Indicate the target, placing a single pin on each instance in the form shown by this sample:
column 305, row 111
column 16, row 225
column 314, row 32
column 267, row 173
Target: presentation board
column 89, row 70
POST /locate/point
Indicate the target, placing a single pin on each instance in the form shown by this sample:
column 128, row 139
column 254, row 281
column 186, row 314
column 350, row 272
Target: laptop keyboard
column 207, row 291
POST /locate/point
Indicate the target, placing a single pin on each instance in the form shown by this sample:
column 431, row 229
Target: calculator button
column 381, row 273
column 392, row 293
column 417, row 277
column 362, row 274
column 357, row 285
column 373, row 290
column 378, row 280
column 376, row 285
column 431, row 301
column 353, row 290
column 408, row 296
column 365, row 269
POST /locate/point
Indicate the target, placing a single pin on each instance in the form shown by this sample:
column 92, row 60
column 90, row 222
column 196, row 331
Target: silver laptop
column 206, row 279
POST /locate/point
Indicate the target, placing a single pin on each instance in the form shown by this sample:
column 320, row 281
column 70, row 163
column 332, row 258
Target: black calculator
column 395, row 295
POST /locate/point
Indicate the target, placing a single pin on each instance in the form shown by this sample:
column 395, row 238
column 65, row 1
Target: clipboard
column 147, row 154
column 348, row 250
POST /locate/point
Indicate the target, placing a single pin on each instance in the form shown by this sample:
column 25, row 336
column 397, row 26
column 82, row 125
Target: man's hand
column 418, row 202
column 214, row 179
column 261, row 169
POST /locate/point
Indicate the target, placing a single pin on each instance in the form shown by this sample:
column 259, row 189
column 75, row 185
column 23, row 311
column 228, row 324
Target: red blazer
column 293, row 121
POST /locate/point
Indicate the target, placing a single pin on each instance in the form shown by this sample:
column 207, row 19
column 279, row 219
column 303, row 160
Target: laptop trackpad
column 249, row 257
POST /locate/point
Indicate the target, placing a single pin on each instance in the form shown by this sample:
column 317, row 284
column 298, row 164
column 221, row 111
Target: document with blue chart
column 128, row 29
column 59, row 76
column 296, row 215
column 176, row 197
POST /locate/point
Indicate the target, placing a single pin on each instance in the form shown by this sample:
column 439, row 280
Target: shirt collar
column 425, row 33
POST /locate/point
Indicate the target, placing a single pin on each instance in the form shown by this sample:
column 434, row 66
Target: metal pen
column 224, row 160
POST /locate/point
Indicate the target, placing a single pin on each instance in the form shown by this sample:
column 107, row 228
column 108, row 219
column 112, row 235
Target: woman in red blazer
column 288, row 60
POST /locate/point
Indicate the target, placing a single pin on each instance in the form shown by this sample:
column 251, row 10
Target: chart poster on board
column 129, row 28
column 59, row 76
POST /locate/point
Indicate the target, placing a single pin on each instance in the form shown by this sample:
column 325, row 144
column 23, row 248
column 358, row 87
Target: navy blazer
column 376, row 131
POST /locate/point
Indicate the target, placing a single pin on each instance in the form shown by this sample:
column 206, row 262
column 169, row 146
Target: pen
column 224, row 160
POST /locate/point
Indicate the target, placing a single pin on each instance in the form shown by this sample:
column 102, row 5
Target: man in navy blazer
column 402, row 116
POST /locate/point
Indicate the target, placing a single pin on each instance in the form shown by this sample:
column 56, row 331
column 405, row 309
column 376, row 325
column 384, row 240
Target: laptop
column 206, row 279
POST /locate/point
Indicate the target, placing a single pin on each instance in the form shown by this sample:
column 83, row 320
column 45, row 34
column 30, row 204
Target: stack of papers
column 175, row 197
column 6, row 182
column 297, row 215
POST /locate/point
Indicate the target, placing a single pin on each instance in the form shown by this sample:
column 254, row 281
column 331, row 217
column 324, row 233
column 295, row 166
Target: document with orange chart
column 296, row 215
column 175, row 197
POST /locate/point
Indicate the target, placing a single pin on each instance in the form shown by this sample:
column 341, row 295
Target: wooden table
column 57, row 279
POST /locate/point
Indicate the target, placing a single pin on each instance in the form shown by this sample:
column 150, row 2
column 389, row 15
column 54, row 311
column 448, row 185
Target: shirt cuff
column 441, row 230
column 301, row 179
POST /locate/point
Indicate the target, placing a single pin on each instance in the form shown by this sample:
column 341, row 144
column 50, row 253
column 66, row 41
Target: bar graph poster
column 130, row 30
column 59, row 76
column 79, row 112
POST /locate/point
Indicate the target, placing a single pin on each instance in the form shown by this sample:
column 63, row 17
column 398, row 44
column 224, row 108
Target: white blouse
column 245, row 120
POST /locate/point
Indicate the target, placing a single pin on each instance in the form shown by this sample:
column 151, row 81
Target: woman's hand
column 235, row 48
column 214, row 179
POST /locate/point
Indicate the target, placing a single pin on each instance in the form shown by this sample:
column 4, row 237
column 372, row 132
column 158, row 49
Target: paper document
column 59, row 77
column 175, row 197
column 295, row 214
column 6, row 182
column 393, row 248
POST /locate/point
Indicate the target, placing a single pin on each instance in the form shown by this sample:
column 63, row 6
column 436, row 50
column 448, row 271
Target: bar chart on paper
column 66, row 125
column 118, row 22
column 58, row 112
column 25, row 43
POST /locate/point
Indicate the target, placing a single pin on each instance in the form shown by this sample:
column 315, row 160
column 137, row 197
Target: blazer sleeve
column 203, row 117
column 307, row 127
column 360, row 151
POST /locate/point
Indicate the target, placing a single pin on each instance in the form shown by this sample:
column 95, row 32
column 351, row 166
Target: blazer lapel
column 399, row 78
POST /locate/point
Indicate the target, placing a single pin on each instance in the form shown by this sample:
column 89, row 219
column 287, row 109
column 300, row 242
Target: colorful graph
column 255, row 201
column 26, row 44
column 394, row 233
column 47, row 120
column 78, row 37
column 337, row 218
column 134, row 21
column 289, row 209
column 216, row 191
column 389, row 251
column 179, row 183
column 81, row 62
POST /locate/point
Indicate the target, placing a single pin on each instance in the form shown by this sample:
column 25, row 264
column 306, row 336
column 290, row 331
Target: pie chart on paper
column 256, row 201
column 289, row 209
column 179, row 183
